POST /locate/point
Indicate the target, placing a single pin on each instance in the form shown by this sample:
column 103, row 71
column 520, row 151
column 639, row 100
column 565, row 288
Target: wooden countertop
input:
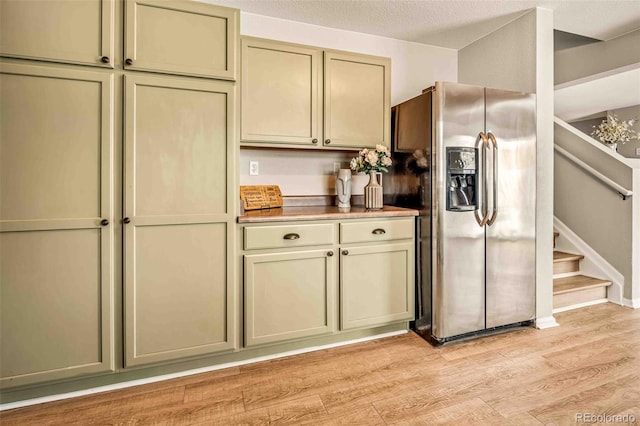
column 320, row 213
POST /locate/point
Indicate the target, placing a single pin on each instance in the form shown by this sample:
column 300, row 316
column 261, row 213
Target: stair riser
column 579, row 296
column 566, row 266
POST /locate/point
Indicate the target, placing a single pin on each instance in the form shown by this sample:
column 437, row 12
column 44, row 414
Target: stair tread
column 561, row 256
column 576, row 283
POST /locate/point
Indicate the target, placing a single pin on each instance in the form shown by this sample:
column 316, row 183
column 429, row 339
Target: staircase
column 572, row 290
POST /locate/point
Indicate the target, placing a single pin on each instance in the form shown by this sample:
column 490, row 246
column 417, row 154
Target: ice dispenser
column 461, row 179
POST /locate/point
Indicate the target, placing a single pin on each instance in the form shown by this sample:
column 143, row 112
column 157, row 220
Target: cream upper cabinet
column 56, row 224
column 281, row 93
column 357, row 100
column 71, row 31
column 179, row 281
column 304, row 97
column 181, row 37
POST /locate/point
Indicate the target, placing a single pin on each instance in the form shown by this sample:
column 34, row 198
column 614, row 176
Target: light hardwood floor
column 590, row 364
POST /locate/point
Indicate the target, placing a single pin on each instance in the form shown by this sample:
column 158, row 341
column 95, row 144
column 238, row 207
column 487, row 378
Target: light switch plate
column 254, row 168
column 637, row 152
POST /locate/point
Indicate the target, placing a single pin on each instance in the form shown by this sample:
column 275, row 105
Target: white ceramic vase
column 343, row 188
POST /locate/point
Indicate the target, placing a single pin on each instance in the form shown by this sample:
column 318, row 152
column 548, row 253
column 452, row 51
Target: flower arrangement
column 372, row 160
column 613, row 130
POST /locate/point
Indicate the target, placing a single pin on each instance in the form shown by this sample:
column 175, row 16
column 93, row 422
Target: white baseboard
column 546, row 322
column 593, row 264
column 580, row 305
column 155, row 379
column 631, row 303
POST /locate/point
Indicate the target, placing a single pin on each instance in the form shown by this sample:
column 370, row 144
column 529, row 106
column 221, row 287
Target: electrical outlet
column 336, row 166
column 637, row 152
column 254, row 168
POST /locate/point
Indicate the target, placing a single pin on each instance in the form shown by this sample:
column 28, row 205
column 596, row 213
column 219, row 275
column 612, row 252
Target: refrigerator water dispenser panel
column 461, row 179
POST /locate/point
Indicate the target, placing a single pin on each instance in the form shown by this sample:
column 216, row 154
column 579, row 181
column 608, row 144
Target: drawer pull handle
column 291, row 236
column 329, row 253
column 378, row 231
column 345, row 252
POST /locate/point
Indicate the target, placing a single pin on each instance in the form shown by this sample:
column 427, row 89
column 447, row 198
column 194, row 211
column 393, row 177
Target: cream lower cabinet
column 300, row 278
column 305, row 97
column 376, row 284
column 56, row 224
column 179, row 285
column 377, row 265
column 289, row 295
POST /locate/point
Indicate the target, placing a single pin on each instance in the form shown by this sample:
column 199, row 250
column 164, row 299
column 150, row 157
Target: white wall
column 519, row 56
column 413, row 67
column 584, row 61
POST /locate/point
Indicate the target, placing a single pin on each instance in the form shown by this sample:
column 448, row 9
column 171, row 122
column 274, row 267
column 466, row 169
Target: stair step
column 577, row 282
column 578, row 290
column 566, row 262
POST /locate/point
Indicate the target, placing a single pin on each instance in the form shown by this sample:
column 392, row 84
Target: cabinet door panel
column 179, row 293
column 181, row 37
column 51, row 302
column 288, row 295
column 179, row 244
column 356, row 100
column 180, row 151
column 56, row 257
column 70, row 31
column 281, row 97
column 376, row 285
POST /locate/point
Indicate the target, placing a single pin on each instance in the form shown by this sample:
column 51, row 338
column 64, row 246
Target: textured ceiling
column 448, row 23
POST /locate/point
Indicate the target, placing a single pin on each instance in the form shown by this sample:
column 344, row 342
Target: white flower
column 372, row 157
column 612, row 130
column 369, row 160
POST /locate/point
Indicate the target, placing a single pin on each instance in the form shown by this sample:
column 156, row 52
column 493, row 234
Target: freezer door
column 511, row 124
column 458, row 266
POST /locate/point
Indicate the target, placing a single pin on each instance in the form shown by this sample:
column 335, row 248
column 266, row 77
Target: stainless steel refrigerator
column 465, row 156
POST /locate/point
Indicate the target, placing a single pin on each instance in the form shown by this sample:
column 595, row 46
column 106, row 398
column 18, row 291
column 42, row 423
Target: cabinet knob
column 329, row 253
column 327, row 141
column 104, row 222
column 105, row 59
column 126, row 220
column 345, row 252
column 314, row 140
column 378, row 231
column 291, row 236
column 128, row 61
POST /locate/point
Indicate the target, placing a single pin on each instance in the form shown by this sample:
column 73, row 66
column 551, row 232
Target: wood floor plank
column 620, row 396
column 525, row 377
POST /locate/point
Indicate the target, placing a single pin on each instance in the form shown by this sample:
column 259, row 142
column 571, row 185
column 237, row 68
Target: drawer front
column 264, row 237
column 379, row 230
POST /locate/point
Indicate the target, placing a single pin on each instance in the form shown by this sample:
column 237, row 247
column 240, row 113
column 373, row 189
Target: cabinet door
column 288, row 295
column 281, row 94
column 79, row 32
column 181, row 37
column 179, row 239
column 376, row 285
column 56, row 309
column 357, row 100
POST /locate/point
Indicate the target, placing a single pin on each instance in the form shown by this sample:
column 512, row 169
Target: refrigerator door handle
column 494, row 184
column 481, row 143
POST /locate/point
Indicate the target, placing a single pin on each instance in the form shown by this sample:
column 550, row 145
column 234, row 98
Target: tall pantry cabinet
column 84, row 190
